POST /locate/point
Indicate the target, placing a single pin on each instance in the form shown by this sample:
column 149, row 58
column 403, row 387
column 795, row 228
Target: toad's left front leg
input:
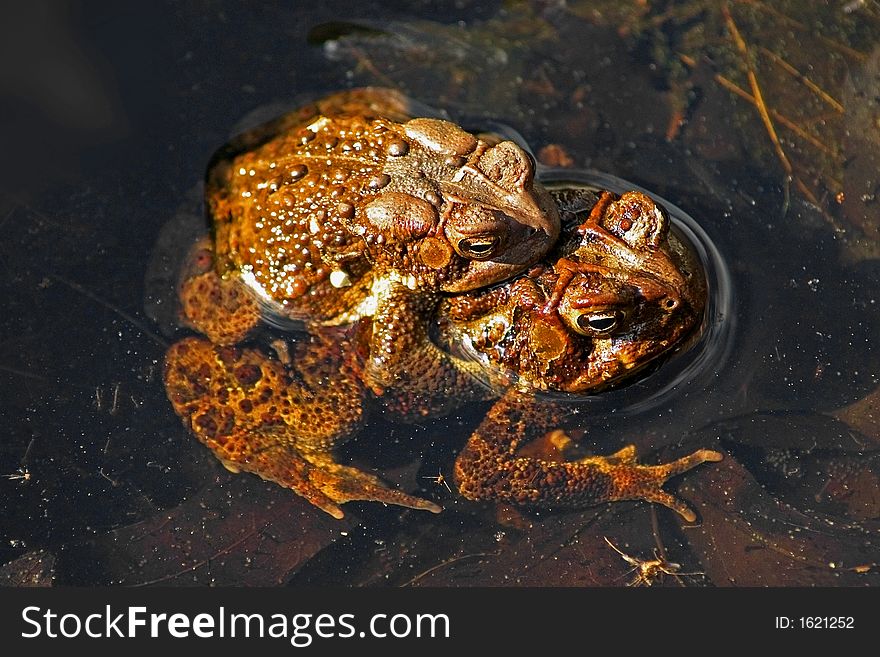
column 403, row 358
column 488, row 467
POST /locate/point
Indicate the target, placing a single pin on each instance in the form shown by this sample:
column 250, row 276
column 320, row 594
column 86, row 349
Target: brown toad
column 621, row 292
column 349, row 208
column 344, row 209
column 628, row 291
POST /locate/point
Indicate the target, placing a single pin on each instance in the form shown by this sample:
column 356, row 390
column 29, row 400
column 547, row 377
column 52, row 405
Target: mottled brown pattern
column 598, row 311
column 279, row 423
column 628, row 292
column 489, row 467
column 619, row 290
column 338, row 203
column 410, row 367
column 368, row 195
column 341, row 210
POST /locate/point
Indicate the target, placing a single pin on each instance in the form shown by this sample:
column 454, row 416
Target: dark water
column 109, row 118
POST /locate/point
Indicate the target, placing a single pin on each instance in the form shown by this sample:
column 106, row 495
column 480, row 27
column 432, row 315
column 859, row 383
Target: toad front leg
column 406, row 363
column 279, row 422
column 488, row 467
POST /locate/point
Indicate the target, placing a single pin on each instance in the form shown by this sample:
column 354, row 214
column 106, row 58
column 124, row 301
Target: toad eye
column 597, row 324
column 478, row 248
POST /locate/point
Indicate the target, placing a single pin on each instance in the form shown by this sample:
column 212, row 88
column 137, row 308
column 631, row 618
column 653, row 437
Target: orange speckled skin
column 626, row 292
column 548, row 329
column 259, row 416
column 344, row 209
column 323, row 214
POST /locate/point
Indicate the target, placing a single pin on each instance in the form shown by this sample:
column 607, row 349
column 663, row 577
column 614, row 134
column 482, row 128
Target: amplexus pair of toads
column 393, row 243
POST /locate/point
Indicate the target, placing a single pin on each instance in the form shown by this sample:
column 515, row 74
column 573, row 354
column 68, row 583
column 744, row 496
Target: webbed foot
column 633, row 481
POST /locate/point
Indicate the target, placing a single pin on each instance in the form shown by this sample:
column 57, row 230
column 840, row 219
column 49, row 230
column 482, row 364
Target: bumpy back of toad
column 333, row 195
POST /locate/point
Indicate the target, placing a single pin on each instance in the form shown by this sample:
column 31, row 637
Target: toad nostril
column 671, row 303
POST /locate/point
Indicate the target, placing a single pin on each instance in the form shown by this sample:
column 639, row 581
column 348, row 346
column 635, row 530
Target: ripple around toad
column 694, row 368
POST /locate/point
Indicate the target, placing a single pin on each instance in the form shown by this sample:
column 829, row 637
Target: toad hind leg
column 488, row 467
column 279, row 423
column 342, row 483
column 632, row 481
column 323, row 482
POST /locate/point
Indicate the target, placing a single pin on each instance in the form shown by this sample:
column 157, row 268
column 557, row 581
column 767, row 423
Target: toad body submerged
column 396, row 242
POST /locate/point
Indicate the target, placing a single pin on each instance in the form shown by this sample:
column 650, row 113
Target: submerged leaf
column 749, row 538
column 242, row 532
